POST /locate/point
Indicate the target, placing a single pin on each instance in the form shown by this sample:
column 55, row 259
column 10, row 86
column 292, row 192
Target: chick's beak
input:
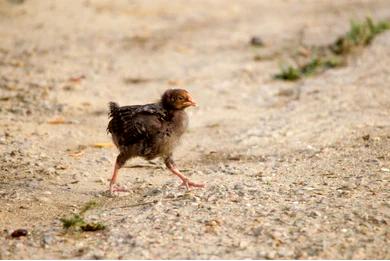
column 190, row 102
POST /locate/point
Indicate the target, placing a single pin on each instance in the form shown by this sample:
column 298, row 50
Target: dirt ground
column 293, row 170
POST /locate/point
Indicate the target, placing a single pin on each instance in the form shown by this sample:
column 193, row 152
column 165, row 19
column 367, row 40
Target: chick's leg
column 185, row 181
column 120, row 161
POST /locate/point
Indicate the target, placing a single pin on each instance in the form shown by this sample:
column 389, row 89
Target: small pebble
column 51, row 171
column 43, row 199
column 238, row 187
column 154, row 192
column 256, row 41
column 47, row 239
column 104, row 158
column 101, row 180
column 19, row 233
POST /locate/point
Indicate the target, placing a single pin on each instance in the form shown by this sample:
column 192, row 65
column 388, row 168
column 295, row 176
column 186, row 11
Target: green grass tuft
column 291, row 73
column 89, row 205
column 360, row 34
column 92, row 227
column 73, row 221
column 288, row 73
column 334, row 55
column 78, row 223
column 310, row 67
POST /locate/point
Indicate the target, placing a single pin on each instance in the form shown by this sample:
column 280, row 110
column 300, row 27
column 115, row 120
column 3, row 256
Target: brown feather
column 150, row 130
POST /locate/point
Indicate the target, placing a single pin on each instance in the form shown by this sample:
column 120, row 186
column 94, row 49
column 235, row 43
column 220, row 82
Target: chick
column 150, row 131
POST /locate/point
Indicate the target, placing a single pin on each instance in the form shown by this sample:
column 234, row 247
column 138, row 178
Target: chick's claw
column 189, row 184
column 117, row 188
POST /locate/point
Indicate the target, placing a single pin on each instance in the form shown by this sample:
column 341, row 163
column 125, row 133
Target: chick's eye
column 180, row 98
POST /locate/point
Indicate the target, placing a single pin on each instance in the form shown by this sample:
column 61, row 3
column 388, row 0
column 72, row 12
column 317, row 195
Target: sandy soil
column 293, row 170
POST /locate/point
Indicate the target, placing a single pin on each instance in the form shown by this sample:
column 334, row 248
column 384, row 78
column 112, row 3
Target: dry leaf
column 135, row 80
column 77, row 153
column 76, row 79
column 102, row 145
column 58, row 120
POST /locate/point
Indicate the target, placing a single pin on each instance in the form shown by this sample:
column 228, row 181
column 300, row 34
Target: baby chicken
column 150, row 131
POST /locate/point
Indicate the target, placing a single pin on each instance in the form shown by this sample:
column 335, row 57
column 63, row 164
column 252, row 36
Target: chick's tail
column 113, row 112
column 114, row 108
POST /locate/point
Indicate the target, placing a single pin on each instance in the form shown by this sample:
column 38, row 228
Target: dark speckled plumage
column 146, row 130
column 151, row 130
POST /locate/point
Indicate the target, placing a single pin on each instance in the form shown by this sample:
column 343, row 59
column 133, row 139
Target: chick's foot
column 117, row 188
column 189, row 184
